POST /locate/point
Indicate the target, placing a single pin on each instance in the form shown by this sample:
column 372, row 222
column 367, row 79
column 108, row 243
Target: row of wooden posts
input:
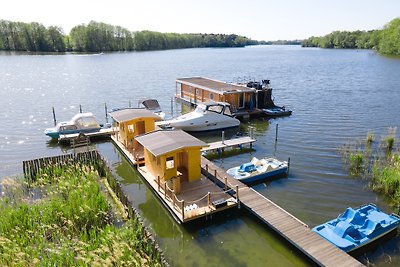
column 31, row 169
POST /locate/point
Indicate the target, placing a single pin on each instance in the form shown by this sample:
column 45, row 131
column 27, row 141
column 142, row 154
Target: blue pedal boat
column 258, row 170
column 356, row 228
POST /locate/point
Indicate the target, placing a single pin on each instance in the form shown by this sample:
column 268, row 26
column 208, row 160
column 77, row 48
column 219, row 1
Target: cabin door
column 241, row 100
column 140, row 128
column 182, row 163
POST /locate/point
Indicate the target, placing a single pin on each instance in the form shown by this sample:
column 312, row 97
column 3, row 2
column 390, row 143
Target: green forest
column 102, row 37
column 386, row 41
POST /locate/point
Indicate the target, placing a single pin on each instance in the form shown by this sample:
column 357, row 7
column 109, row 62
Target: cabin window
column 211, row 96
column 197, row 91
column 131, row 128
column 68, row 128
column 170, row 163
column 227, row 111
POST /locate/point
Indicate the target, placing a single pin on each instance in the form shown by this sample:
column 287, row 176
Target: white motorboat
column 206, row 117
column 81, row 122
column 153, row 106
column 258, row 170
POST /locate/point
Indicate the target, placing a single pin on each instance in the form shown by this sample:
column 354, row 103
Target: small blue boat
column 258, row 170
column 356, row 228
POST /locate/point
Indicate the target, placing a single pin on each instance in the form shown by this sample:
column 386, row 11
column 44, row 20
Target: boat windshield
column 152, row 104
column 215, row 108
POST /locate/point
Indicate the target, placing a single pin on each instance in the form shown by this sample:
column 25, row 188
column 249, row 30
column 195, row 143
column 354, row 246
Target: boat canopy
column 85, row 120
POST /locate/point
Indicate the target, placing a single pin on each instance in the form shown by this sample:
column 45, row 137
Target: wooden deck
column 229, row 143
column 195, row 199
column 289, row 227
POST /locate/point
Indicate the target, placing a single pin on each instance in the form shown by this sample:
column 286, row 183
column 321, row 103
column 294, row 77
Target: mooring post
column 172, row 106
column 223, row 137
column 276, row 132
column 209, row 199
column 288, row 165
column 183, row 210
column 105, row 111
column 54, row 117
column 237, row 196
column 80, row 108
column 225, row 183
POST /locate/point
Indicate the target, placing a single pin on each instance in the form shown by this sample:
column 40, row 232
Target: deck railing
column 180, row 204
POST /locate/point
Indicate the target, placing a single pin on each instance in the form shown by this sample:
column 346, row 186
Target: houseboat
column 170, row 163
column 131, row 123
column 245, row 100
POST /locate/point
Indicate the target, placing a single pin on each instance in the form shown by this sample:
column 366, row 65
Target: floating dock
column 185, row 194
column 220, row 145
column 319, row 250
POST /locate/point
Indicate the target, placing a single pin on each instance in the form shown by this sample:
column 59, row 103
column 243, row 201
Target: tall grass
column 379, row 164
column 63, row 219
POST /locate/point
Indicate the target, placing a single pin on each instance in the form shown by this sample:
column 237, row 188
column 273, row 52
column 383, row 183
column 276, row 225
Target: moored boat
column 258, row 170
column 80, row 123
column 276, row 111
column 356, row 228
column 206, row 117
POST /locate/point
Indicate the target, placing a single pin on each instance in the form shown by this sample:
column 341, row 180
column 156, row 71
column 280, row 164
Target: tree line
column 102, row 37
column 385, row 41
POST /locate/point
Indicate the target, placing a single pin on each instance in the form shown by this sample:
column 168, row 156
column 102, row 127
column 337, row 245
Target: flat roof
column 162, row 142
column 214, row 85
column 128, row 114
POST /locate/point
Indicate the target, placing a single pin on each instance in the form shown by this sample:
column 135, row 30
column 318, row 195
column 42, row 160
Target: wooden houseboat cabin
column 245, row 101
column 131, row 123
column 173, row 169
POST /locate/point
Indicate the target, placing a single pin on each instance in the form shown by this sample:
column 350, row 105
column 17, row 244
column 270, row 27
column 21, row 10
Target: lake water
column 337, row 96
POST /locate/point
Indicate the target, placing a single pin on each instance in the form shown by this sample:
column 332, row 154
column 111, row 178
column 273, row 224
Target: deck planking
column 229, row 143
column 319, row 250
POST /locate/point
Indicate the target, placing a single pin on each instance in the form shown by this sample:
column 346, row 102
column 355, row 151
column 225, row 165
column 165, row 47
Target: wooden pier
column 319, row 250
column 221, row 145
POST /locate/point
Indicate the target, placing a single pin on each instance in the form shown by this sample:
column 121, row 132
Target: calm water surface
column 336, row 96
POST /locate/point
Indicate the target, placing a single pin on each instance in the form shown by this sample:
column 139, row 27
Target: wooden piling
column 54, row 117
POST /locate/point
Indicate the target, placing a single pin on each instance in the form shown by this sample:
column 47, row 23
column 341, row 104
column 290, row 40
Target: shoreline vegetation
column 385, row 41
column 377, row 162
column 65, row 216
column 102, row 37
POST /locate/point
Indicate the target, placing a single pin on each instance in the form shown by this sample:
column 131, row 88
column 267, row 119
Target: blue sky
column 257, row 19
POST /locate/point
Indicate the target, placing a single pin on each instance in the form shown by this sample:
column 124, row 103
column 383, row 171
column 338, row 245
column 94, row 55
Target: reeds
column 63, row 218
column 379, row 164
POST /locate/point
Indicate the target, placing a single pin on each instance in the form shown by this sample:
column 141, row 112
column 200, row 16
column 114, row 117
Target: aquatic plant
column 63, row 218
column 380, row 165
column 356, row 163
column 369, row 139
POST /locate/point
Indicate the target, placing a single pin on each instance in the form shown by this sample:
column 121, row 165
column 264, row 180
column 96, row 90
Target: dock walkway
column 285, row 224
column 229, row 143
